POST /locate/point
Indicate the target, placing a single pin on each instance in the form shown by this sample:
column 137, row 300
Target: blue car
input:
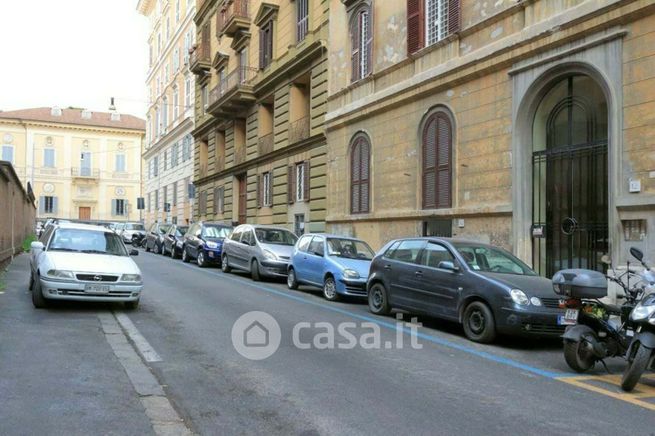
column 337, row 264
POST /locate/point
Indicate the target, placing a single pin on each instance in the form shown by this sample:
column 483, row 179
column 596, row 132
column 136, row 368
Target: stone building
column 261, row 89
column 168, row 151
column 527, row 124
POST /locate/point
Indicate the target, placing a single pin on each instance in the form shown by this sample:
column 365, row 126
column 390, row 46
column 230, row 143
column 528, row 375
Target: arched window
column 437, row 144
column 360, row 157
column 361, row 43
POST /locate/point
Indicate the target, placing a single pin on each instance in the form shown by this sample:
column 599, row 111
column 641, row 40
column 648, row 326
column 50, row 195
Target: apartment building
column 261, row 89
column 528, row 124
column 168, row 151
column 81, row 164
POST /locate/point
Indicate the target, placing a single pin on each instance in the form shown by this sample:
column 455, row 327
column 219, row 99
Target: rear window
column 405, row 251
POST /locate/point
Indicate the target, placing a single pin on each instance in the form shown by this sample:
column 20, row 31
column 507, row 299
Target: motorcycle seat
column 613, row 309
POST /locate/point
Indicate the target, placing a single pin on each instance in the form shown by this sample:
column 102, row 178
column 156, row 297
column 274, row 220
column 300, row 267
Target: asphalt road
column 60, row 376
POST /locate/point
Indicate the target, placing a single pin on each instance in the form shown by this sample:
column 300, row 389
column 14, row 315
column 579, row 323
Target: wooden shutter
column 369, row 43
column 415, row 25
column 454, row 20
column 354, row 48
column 259, row 190
column 360, row 170
column 306, row 181
column 364, row 176
column 262, row 48
column 437, row 166
column 291, row 185
column 269, row 43
column 430, row 164
column 215, row 201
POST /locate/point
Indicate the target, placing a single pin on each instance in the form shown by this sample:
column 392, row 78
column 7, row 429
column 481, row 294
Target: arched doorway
column 570, row 176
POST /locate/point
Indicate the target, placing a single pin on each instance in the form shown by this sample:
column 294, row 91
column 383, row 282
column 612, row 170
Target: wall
column 17, row 213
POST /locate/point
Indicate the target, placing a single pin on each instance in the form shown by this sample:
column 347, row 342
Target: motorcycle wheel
column 578, row 359
column 636, row 368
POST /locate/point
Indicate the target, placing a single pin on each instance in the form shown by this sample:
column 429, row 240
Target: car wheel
column 330, row 289
column 292, row 282
column 225, row 264
column 577, row 356
column 254, row 271
column 185, row 255
column 164, row 252
column 378, row 300
column 38, row 300
column 636, row 367
column 202, row 262
column 131, row 305
column 156, row 249
column 135, row 241
column 479, row 324
column 147, row 247
column 173, row 253
column 31, row 284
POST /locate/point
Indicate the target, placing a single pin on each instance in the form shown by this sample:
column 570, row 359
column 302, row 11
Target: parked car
column 264, row 251
column 83, row 262
column 483, row 287
column 174, row 240
column 203, row 241
column 132, row 232
column 155, row 237
column 337, row 264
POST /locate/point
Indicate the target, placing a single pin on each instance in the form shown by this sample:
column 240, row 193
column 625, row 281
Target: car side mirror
column 637, row 253
column 447, row 264
column 36, row 245
column 134, row 252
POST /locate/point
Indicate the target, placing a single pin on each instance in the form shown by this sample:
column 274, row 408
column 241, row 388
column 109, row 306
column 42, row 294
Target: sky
column 76, row 53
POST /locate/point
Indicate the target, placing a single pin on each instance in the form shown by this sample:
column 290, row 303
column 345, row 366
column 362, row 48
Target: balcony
column 232, row 18
column 85, row 173
column 265, row 145
column 233, row 93
column 299, row 130
column 200, row 60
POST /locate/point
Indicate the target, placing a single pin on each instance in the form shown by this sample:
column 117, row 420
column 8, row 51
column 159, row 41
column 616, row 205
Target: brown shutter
column 215, row 201
column 269, row 43
column 354, row 49
column 443, row 168
column 364, row 176
column 369, row 43
column 355, row 177
column 430, row 164
column 454, row 7
column 259, row 190
column 291, row 183
column 262, row 48
column 415, row 25
column 306, row 181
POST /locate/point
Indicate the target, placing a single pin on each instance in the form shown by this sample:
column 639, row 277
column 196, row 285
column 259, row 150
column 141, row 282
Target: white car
column 84, row 263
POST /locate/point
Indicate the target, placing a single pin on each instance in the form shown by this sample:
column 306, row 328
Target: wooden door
column 85, row 213
column 243, row 206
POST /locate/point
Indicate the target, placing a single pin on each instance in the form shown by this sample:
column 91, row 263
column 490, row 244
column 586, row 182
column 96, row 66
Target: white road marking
column 142, row 346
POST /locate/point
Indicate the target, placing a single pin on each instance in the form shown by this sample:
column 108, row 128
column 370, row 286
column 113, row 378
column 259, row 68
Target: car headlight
column 136, row 278
column 350, row 273
column 519, row 297
column 59, row 274
column 211, row 244
column 268, row 254
column 535, row 301
column 640, row 312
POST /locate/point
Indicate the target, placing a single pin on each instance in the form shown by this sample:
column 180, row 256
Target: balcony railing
column 85, row 173
column 265, row 145
column 233, row 16
column 299, row 130
column 225, row 98
column 200, row 59
column 239, row 155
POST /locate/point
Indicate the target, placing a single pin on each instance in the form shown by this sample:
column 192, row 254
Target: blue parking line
column 392, row 326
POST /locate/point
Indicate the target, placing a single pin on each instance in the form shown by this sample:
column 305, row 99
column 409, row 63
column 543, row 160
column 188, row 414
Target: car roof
column 214, row 223
column 79, row 226
column 334, row 236
column 447, row 240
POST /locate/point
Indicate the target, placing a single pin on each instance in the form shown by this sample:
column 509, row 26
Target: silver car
column 264, row 251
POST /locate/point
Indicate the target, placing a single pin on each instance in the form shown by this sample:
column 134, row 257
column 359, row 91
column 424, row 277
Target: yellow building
column 81, row 164
column 260, row 147
column 529, row 124
column 168, row 151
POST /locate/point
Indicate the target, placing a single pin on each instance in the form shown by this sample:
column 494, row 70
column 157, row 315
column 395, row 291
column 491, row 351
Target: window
column 49, row 157
column 190, row 192
column 187, row 92
column 299, row 224
column 176, row 103
column 166, row 75
column 204, row 94
column 361, row 38
column 168, row 28
column 434, row 254
column 148, row 129
column 266, row 45
column 164, row 115
column 174, row 193
column 158, row 44
column 118, row 207
column 47, row 204
column 301, row 181
column 8, row 153
column 120, row 163
column 165, row 196
column 298, row 182
column 302, row 19
column 176, row 59
column 186, row 148
column 406, row 251
column 430, row 21
column 149, row 202
column 165, row 160
column 157, row 129
column 265, row 191
column 317, row 246
column 177, row 11
column 437, row 150
column 303, row 244
column 157, row 200
column 219, row 200
column 243, row 64
column 359, row 173
column 175, row 155
column 155, row 166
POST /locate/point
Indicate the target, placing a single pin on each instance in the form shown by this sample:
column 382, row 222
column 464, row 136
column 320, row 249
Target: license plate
column 570, row 317
column 96, row 289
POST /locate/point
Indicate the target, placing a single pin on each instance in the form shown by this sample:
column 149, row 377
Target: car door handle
column 418, row 273
column 387, row 267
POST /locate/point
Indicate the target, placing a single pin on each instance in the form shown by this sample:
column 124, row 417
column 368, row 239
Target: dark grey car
column 483, row 287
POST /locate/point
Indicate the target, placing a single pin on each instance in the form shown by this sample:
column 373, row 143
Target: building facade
column 80, row 164
column 168, row 151
column 261, row 91
column 527, row 124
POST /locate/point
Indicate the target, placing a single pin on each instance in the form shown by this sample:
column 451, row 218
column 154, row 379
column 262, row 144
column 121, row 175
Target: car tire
column 147, row 247
column 156, row 248
column 38, row 300
column 479, row 324
column 131, row 305
column 636, row 367
column 202, row 262
column 574, row 357
column 330, row 289
column 292, row 282
column 254, row 271
column 173, row 254
column 225, row 265
column 164, row 252
column 185, row 255
column 30, row 286
column 378, row 300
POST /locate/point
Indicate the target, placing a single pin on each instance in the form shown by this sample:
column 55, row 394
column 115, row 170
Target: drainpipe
column 13, row 223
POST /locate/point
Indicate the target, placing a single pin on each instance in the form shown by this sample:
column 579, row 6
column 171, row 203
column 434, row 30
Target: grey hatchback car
column 264, row 251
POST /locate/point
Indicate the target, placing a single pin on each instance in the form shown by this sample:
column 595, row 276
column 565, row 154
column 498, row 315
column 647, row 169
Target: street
column 68, row 369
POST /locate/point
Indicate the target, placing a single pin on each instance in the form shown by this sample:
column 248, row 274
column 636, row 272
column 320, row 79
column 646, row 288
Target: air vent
column 86, row 114
column 55, row 111
column 115, row 116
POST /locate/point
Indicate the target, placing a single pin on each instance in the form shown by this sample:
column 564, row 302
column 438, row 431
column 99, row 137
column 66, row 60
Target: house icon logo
column 256, row 335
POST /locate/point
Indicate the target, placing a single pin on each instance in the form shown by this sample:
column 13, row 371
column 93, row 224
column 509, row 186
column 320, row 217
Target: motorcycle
column 641, row 353
column 592, row 333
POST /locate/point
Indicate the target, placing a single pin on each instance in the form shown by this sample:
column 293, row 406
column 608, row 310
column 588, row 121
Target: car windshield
column 87, row 241
column 349, row 249
column 180, row 231
column 215, row 231
column 488, row 259
column 275, row 236
column 134, row 226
